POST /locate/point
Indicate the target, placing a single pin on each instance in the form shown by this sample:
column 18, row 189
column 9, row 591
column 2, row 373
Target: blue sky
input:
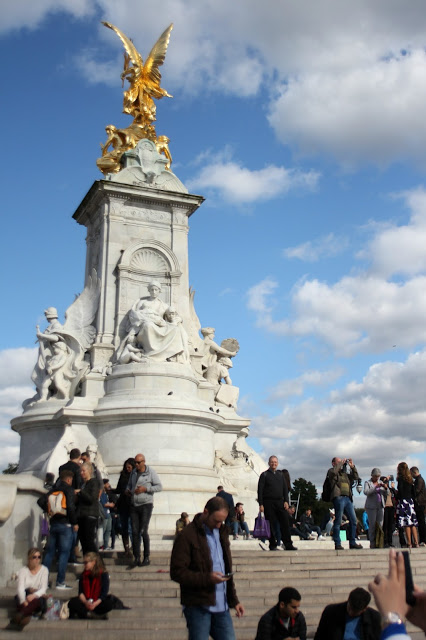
column 303, row 126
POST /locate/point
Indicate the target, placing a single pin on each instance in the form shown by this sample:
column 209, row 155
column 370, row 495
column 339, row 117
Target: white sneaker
column 63, row 586
column 321, row 537
column 311, row 537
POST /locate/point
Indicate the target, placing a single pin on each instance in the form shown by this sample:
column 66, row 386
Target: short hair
column 105, row 480
column 270, row 458
column 414, row 470
column 50, row 477
column 359, row 599
column 288, row 594
column 220, row 487
column 308, row 509
column 85, row 454
column 216, row 504
column 75, row 453
column 66, row 473
column 88, row 467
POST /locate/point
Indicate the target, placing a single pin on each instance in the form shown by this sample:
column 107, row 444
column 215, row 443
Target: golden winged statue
column 138, row 101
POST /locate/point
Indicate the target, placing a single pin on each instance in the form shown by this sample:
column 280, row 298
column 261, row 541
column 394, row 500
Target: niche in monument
column 131, row 368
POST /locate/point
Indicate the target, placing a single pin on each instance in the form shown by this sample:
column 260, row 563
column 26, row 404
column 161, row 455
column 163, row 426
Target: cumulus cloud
column 296, row 386
column 237, row 184
column 17, row 14
column 372, row 113
column 378, row 419
column 370, row 311
column 311, row 251
column 15, row 386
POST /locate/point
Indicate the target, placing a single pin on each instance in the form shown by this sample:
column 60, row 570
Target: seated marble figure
column 154, row 331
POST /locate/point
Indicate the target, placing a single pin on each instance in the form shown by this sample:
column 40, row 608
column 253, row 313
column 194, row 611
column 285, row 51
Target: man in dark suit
column 353, row 617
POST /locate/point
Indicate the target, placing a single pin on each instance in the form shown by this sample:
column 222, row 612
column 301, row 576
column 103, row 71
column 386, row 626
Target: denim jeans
column 60, row 539
column 343, row 504
column 140, row 517
column 202, row 624
column 236, row 526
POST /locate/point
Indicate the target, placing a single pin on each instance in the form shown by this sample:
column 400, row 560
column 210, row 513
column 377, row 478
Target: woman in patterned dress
column 405, row 508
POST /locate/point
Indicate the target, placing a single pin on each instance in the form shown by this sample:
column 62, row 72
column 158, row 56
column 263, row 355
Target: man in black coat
column 272, row 496
column 355, row 614
column 221, row 493
column 419, row 503
column 285, row 620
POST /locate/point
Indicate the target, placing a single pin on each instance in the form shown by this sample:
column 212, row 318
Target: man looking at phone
column 342, row 476
column 352, row 619
column 201, row 563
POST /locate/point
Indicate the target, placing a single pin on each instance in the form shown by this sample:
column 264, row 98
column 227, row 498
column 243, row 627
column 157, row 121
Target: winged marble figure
column 61, row 360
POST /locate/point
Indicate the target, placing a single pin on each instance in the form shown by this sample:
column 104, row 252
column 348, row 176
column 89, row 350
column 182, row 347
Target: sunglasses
column 36, row 557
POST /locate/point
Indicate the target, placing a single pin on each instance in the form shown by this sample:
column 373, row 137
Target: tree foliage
column 12, row 467
column 309, row 498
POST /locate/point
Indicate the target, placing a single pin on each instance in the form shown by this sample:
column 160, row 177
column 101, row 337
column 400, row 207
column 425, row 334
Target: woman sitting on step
column 93, row 600
column 32, row 587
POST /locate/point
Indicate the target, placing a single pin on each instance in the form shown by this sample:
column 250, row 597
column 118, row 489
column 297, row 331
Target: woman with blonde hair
column 32, row 586
column 93, row 600
column 405, row 508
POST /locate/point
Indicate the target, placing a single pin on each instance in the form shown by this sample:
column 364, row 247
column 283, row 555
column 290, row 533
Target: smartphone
column 409, row 584
column 228, row 575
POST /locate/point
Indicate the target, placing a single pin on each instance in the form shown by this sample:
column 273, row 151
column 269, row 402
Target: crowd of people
column 80, row 502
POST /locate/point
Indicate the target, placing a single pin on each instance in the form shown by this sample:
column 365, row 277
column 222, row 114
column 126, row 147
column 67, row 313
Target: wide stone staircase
column 322, row 575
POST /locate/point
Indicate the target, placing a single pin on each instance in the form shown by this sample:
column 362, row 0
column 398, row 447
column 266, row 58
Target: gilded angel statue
column 138, row 101
column 60, row 364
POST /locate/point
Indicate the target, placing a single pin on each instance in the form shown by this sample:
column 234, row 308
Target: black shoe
column 134, row 564
column 356, row 546
column 338, row 547
column 291, row 548
column 273, row 549
column 139, row 562
column 145, row 562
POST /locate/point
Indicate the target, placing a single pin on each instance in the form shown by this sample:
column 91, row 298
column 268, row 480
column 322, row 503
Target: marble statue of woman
column 158, row 338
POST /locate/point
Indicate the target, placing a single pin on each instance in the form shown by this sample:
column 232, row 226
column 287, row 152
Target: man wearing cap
column 376, row 492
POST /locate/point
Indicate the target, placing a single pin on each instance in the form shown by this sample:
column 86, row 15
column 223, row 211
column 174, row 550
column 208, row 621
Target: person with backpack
column 63, row 521
column 338, row 490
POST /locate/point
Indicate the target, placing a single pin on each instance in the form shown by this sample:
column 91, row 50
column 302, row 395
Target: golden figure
column 138, row 101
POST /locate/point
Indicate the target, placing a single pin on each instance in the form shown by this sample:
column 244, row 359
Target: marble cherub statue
column 138, row 101
column 211, row 350
column 225, row 393
column 61, row 362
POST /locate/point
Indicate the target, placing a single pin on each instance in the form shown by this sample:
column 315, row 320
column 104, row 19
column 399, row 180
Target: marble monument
column 131, row 368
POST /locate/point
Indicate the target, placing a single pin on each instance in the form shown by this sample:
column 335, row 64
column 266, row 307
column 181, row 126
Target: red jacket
column 191, row 566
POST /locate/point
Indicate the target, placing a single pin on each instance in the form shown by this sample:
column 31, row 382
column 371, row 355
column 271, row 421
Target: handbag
column 262, row 528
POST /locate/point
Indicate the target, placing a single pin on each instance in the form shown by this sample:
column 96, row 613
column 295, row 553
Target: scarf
column 91, row 585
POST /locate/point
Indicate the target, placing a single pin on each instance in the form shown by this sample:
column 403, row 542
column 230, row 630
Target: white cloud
column 369, row 311
column 15, row 387
column 312, row 250
column 17, row 14
column 258, row 296
column 296, row 386
column 372, row 113
column 237, row 184
column 380, row 419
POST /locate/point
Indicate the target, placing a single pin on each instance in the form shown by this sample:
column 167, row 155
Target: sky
column 302, row 124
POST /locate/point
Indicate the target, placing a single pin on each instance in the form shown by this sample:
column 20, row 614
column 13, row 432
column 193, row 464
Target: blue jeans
column 202, row 624
column 343, row 504
column 60, row 539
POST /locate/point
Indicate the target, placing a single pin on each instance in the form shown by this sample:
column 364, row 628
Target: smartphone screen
column 228, row 575
column 409, row 584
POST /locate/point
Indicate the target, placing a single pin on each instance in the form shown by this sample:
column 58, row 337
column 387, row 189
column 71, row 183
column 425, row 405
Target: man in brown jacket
column 201, row 563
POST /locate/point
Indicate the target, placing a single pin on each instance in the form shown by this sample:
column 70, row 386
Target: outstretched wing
column 156, row 58
column 130, row 48
column 80, row 315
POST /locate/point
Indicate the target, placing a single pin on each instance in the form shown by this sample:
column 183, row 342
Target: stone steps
column 322, row 575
